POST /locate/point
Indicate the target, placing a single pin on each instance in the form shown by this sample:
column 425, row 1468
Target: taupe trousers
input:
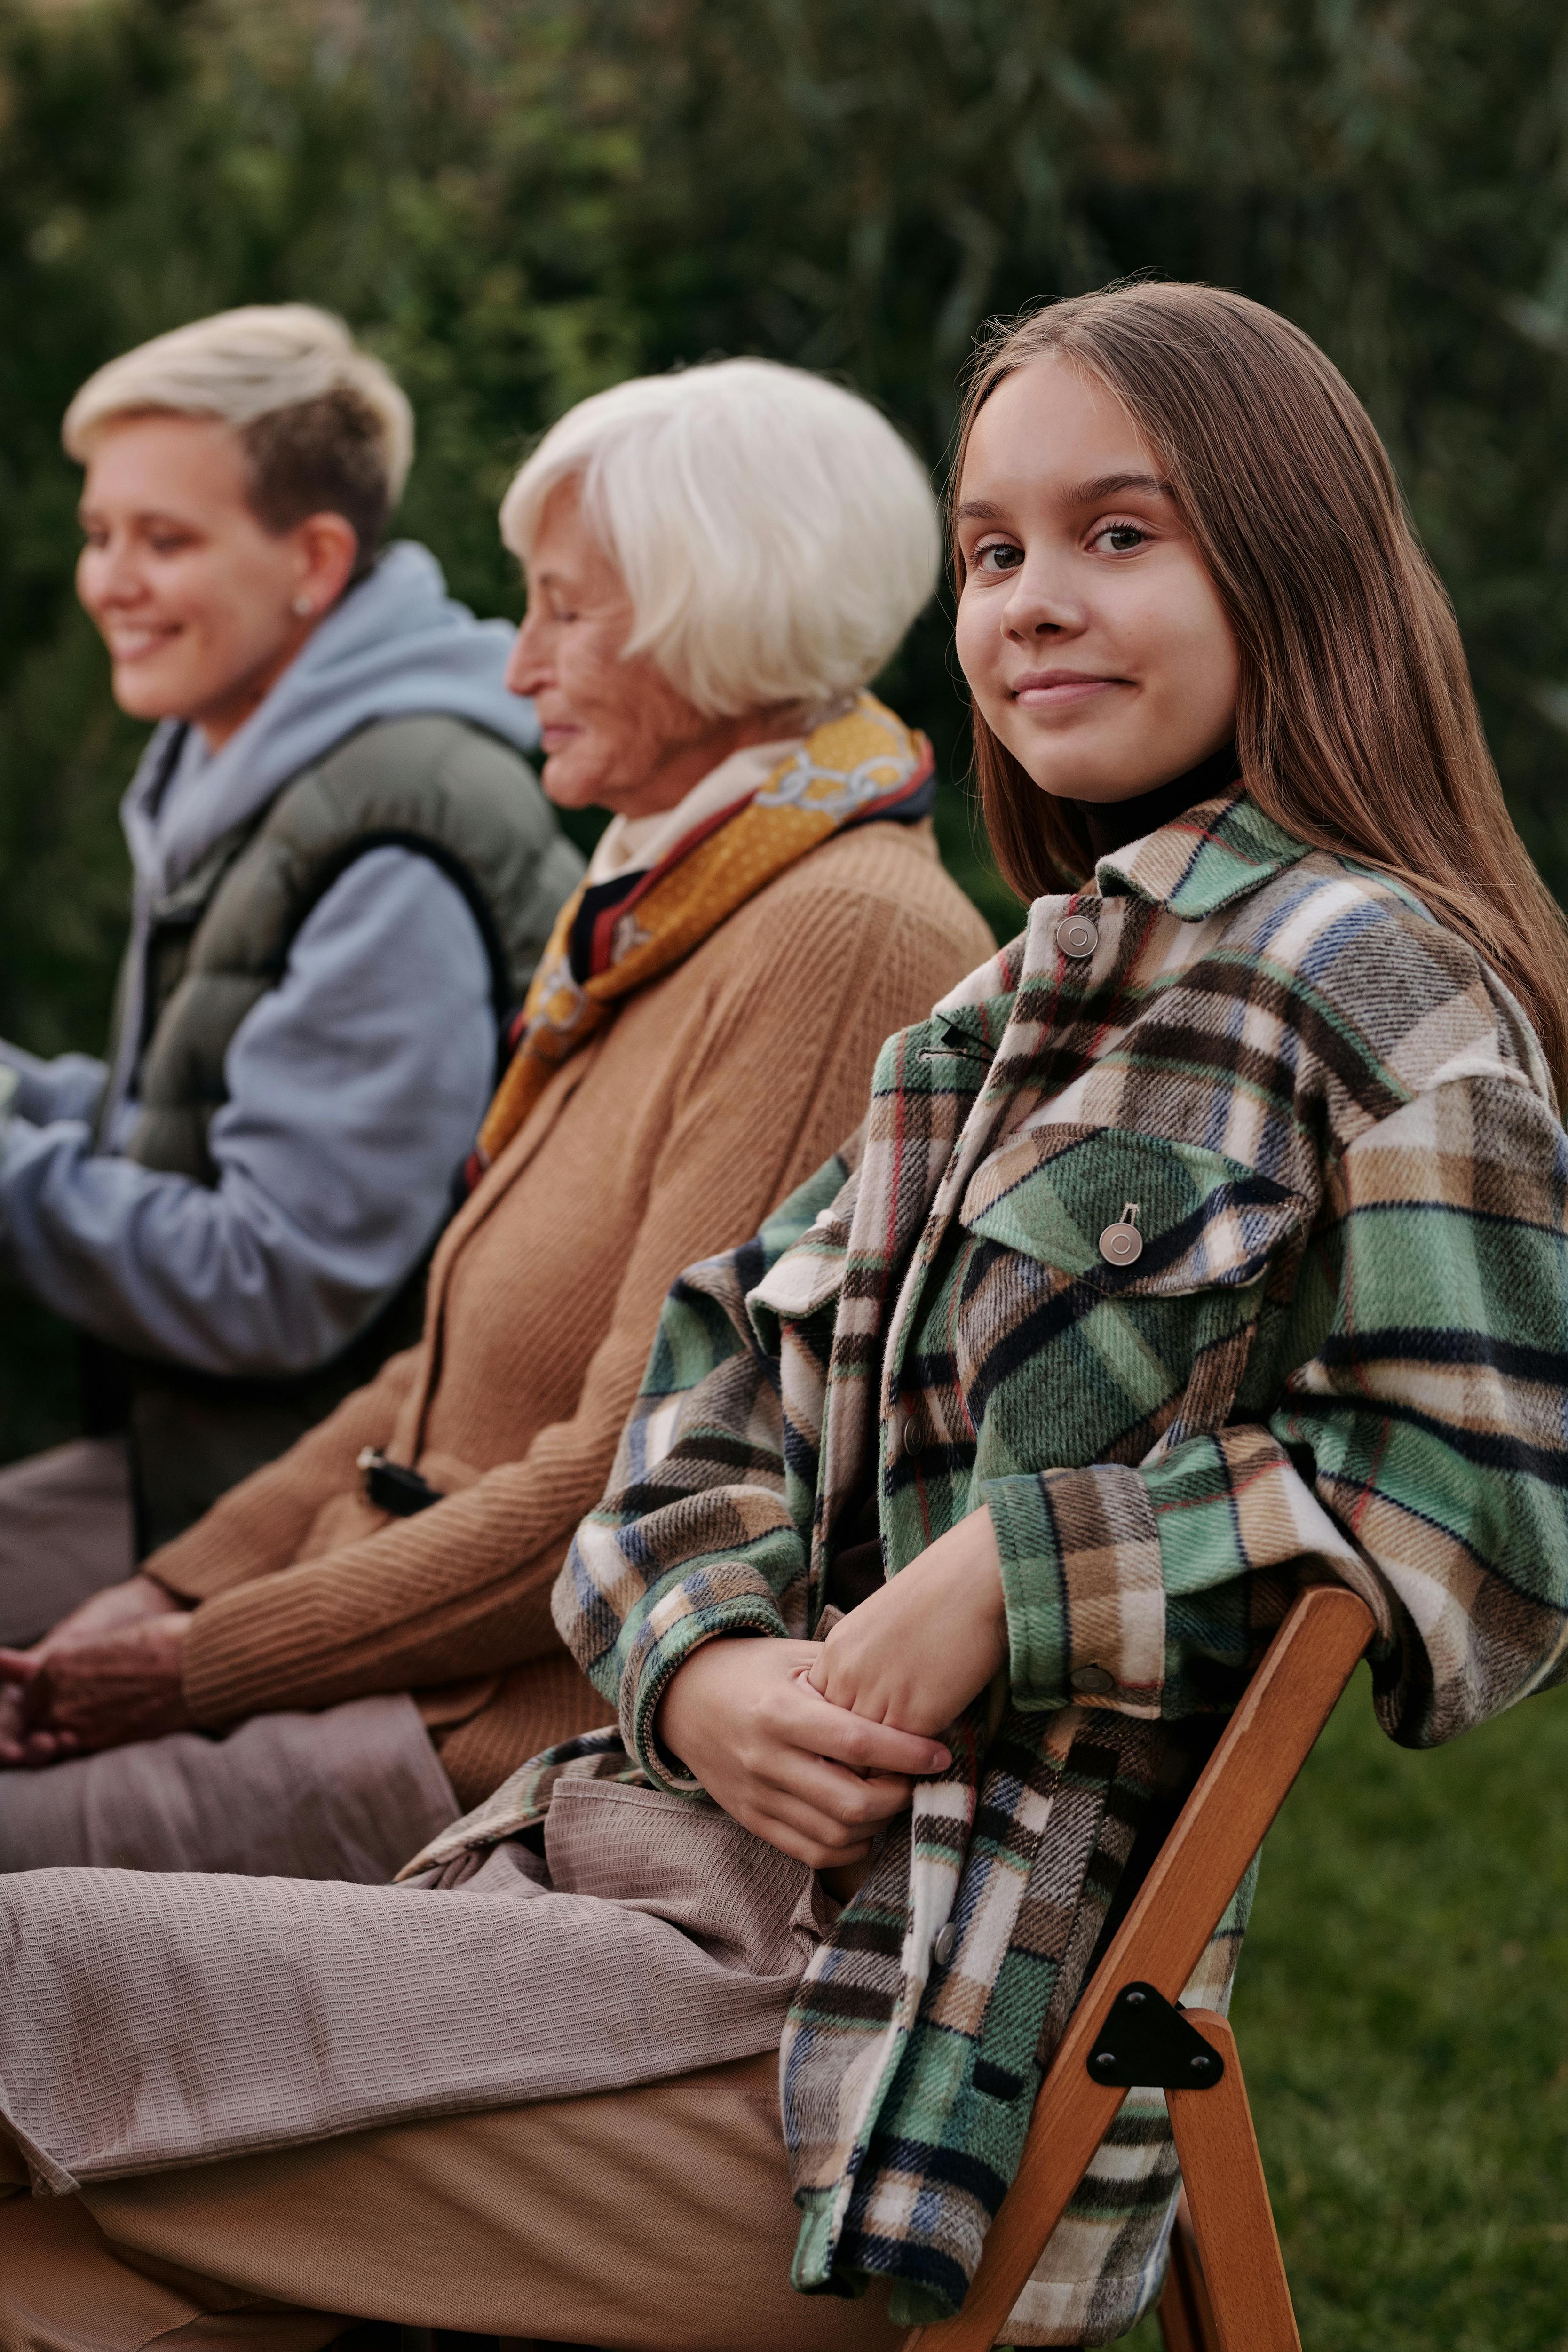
column 65, row 1532
column 348, row 1792
column 656, row 2219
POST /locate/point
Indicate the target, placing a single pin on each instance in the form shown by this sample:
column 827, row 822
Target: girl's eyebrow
column 1092, row 493
column 1111, row 486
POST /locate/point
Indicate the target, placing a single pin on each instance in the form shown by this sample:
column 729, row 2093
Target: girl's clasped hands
column 816, row 1746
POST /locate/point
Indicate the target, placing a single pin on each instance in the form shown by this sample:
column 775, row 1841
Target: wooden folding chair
column 1226, row 2290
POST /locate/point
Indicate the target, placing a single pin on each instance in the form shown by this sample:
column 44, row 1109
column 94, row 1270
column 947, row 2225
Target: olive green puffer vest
column 219, row 941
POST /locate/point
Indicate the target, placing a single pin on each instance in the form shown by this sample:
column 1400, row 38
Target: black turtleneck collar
column 1111, row 824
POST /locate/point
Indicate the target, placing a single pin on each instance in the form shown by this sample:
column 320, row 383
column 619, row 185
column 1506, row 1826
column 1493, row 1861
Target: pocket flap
column 1203, row 1221
column 809, row 1276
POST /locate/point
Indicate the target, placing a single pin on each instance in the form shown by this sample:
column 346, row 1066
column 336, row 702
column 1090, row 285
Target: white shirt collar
column 633, row 844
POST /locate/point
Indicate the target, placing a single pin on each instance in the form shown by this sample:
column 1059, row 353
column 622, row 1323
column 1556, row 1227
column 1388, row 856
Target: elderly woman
column 344, row 874
column 356, row 1642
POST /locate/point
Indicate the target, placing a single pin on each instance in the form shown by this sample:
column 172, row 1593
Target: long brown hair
column 1357, row 726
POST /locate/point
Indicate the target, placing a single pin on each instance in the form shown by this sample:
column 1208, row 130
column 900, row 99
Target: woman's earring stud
column 303, row 608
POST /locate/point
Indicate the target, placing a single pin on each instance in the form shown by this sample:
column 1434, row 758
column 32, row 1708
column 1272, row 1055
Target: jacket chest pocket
column 1113, row 1286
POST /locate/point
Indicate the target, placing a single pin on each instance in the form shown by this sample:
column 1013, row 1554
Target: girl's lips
column 1046, row 693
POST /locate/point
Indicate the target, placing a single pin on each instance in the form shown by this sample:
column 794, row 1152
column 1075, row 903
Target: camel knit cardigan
column 713, row 1092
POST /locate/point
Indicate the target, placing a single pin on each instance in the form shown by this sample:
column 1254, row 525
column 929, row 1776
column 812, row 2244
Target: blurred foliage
column 518, row 201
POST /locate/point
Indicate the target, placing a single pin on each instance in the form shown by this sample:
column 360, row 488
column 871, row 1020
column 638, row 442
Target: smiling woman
column 344, row 873
column 201, row 605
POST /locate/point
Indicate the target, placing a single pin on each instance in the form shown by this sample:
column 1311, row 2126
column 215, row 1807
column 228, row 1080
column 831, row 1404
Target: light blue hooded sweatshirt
column 355, row 1088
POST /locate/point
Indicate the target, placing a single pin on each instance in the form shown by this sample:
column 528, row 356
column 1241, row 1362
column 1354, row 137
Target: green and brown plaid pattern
column 1340, row 1349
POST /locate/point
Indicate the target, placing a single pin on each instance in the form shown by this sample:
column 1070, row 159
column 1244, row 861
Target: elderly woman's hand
column 919, row 1650
column 812, row 1779
column 110, row 1673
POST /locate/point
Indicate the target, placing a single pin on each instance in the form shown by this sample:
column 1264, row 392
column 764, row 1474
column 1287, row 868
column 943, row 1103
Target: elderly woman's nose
column 526, row 667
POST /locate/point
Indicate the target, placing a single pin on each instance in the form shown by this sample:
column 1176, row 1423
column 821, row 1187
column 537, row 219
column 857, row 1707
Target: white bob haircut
column 323, row 423
column 775, row 534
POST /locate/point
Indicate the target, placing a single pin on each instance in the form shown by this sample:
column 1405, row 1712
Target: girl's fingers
column 810, row 1835
column 844, row 1803
column 854, row 1739
column 802, row 1847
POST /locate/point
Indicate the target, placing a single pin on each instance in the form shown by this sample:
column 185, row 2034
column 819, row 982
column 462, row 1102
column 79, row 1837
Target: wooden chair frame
column 1226, row 2290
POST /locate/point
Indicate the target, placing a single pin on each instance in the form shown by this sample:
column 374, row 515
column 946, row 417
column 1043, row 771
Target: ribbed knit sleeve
column 761, row 1088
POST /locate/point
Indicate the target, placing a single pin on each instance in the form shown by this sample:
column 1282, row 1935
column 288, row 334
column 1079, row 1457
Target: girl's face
column 1093, row 640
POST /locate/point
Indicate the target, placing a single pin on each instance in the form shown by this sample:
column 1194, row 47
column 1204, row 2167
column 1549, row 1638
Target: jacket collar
column 1216, row 852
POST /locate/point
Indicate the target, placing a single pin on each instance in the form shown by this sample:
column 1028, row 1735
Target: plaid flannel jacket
column 1340, row 1349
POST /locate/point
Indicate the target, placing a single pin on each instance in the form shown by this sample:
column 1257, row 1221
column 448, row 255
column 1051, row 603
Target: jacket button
column 944, row 1944
column 1093, row 1681
column 1076, row 936
column 909, row 1435
column 1122, row 1243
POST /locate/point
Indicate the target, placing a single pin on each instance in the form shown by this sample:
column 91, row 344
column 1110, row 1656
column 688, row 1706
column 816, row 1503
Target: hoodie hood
column 395, row 646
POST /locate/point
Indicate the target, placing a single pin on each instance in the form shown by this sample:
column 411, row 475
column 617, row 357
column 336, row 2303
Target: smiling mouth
column 1057, row 689
column 134, row 644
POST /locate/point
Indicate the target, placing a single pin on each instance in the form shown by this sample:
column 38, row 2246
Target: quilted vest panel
column 220, row 939
column 219, row 942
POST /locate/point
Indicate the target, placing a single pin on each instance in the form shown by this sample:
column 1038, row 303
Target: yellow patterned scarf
column 613, row 940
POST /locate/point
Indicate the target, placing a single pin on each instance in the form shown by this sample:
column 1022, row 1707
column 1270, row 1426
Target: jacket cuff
column 719, row 1605
column 1084, row 1589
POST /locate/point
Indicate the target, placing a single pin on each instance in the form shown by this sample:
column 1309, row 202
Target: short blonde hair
column 776, row 535
column 324, row 425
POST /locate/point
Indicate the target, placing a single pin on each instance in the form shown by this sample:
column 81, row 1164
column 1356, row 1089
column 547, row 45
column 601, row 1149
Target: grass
column 1402, row 2012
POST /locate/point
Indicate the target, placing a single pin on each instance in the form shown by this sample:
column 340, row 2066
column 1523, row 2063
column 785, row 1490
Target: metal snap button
column 1076, row 936
column 1122, row 1243
column 910, row 1437
column 944, row 1944
column 1093, row 1681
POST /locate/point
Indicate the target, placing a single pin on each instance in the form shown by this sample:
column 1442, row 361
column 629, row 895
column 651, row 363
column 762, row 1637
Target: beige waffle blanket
column 150, row 2019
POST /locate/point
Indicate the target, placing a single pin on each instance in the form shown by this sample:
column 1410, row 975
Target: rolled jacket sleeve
column 354, row 1090
column 1418, row 1454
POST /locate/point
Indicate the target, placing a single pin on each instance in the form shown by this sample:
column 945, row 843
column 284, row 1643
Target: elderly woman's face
column 201, row 607
column 616, row 733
